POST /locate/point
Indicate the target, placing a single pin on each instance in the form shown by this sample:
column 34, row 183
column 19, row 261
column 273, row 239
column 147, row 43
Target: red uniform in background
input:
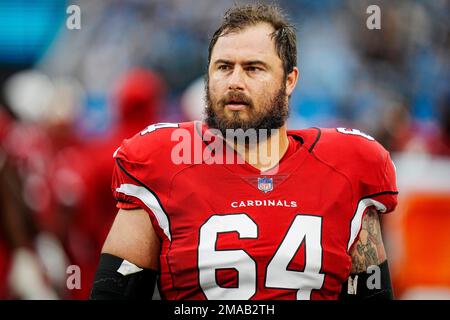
column 230, row 232
column 86, row 170
column 25, row 151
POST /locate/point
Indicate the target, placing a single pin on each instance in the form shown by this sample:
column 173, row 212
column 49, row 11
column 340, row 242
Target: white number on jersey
column 355, row 132
column 307, row 229
column 157, row 126
column 304, row 230
column 210, row 259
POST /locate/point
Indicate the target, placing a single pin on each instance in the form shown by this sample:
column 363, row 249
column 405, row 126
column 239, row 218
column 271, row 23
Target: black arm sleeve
column 374, row 284
column 109, row 284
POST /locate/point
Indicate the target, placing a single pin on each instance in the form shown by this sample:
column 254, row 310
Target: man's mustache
column 234, row 97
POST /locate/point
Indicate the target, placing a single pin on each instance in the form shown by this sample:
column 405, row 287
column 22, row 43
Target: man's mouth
column 236, row 105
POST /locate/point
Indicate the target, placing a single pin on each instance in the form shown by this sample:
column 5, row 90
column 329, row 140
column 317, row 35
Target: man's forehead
column 252, row 42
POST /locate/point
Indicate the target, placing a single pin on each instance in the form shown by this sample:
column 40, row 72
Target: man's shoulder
column 363, row 161
column 337, row 142
column 153, row 142
column 347, row 150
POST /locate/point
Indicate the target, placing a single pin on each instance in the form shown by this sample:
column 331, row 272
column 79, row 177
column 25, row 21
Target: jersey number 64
column 304, row 229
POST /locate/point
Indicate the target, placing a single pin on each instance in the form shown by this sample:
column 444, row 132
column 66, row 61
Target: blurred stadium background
column 68, row 97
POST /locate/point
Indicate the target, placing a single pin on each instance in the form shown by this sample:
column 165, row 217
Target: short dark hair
column 239, row 17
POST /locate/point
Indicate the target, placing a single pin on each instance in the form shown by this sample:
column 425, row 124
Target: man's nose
column 236, row 80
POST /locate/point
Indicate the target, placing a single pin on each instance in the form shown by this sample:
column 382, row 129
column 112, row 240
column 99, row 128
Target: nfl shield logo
column 265, row 184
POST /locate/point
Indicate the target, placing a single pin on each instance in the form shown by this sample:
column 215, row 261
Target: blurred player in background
column 84, row 172
column 25, row 196
column 50, row 220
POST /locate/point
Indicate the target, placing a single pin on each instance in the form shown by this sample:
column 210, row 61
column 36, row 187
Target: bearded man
column 304, row 227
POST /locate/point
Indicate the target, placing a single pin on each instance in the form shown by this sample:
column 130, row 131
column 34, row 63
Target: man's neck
column 268, row 152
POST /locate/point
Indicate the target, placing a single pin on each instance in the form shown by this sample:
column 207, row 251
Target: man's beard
column 272, row 114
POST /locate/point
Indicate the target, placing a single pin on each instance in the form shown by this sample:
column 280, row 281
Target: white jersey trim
column 126, row 268
column 150, row 201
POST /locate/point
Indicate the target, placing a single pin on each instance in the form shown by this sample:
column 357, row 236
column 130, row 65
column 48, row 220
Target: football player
column 305, row 228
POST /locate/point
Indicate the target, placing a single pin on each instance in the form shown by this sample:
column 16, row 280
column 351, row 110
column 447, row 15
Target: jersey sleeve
column 365, row 163
column 119, row 179
column 367, row 167
column 374, row 182
column 385, row 188
column 142, row 174
column 373, row 177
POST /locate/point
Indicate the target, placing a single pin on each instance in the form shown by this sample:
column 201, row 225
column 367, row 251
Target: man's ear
column 291, row 81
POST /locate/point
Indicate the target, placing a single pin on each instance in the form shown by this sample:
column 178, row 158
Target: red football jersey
column 230, row 232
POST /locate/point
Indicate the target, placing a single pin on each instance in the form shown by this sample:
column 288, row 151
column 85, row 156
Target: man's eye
column 253, row 69
column 224, row 67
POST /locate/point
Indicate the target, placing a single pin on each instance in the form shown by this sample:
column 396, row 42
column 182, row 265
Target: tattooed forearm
column 369, row 250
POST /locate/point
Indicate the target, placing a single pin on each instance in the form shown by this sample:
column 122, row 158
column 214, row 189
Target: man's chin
column 237, row 123
column 237, row 117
